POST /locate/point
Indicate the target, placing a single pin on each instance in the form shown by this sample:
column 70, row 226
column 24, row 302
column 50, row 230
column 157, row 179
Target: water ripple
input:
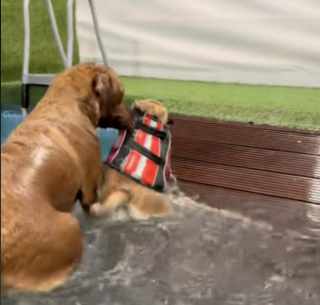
column 198, row 256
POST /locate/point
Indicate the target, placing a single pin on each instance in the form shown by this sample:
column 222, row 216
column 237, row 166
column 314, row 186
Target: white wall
column 275, row 42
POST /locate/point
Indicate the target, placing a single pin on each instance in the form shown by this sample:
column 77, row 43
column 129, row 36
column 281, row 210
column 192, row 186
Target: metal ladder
column 45, row 80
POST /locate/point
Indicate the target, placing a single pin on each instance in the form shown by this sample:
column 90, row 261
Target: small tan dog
column 52, row 159
column 136, row 173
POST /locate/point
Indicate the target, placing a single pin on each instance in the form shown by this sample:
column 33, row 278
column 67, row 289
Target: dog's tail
column 116, row 199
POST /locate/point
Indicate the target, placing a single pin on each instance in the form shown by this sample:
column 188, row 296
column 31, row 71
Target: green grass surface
column 45, row 56
column 260, row 104
column 295, row 107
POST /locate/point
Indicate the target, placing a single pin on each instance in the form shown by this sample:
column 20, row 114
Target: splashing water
column 196, row 256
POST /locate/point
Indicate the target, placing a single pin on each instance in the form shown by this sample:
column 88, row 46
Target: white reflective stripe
column 142, row 163
column 148, row 142
column 153, row 124
column 141, row 166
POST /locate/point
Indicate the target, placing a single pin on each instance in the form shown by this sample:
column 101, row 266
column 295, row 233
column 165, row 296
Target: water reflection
column 197, row 256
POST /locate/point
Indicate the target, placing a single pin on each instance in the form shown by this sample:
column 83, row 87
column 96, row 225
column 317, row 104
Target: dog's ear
column 100, row 90
column 109, row 93
column 108, row 90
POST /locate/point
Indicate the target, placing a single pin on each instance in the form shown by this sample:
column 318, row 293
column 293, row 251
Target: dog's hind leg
column 46, row 258
column 90, row 186
column 116, row 199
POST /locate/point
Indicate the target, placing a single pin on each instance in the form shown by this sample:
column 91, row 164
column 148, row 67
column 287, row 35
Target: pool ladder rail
column 44, row 80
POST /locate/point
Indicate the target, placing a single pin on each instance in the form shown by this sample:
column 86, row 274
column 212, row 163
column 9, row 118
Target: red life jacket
column 144, row 154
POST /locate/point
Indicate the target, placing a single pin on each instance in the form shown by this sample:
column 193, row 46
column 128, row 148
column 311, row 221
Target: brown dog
column 116, row 189
column 52, row 159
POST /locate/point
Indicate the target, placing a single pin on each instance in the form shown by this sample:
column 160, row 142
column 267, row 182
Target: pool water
column 196, row 256
column 10, row 119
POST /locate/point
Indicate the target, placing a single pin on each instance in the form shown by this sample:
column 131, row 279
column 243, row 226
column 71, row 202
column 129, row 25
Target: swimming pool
column 196, row 256
column 11, row 117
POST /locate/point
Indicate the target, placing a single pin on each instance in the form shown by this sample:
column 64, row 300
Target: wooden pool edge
column 217, row 160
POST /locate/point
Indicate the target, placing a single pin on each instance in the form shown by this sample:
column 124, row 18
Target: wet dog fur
column 116, row 191
column 52, row 159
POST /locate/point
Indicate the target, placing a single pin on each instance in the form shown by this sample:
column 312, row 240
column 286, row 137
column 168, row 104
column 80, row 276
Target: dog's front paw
column 96, row 210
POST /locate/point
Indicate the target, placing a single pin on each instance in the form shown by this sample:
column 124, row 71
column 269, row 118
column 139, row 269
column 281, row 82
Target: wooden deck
column 239, row 166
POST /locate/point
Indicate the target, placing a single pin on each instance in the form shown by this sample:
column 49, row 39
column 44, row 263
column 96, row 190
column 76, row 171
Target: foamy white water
column 198, row 255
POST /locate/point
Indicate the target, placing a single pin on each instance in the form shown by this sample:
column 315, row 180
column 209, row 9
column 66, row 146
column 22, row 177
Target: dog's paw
column 97, row 210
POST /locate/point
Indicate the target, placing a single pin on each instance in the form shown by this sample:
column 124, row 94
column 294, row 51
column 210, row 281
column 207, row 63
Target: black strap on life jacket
column 147, row 153
column 147, row 129
column 129, row 144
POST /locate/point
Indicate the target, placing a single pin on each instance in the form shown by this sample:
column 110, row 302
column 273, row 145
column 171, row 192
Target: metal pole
column 26, row 57
column 26, row 54
column 56, row 32
column 70, row 32
column 97, row 31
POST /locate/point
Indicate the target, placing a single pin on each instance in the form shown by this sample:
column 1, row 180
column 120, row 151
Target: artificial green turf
column 260, row 104
column 45, row 57
column 282, row 106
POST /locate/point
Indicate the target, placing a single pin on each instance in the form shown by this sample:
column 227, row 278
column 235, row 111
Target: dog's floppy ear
column 100, row 89
column 108, row 90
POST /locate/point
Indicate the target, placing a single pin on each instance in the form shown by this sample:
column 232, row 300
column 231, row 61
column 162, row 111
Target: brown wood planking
column 282, row 212
column 245, row 135
column 181, row 117
column 277, row 163
column 236, row 197
column 247, row 157
column 255, row 181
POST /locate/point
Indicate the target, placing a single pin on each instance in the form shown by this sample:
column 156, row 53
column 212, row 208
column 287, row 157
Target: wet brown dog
column 49, row 161
column 116, row 190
